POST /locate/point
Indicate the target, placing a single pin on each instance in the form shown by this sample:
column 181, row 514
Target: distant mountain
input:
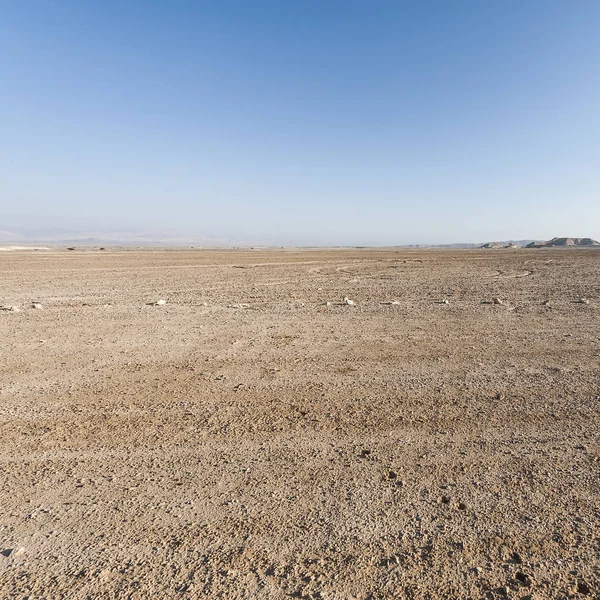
column 565, row 243
column 496, row 245
column 507, row 244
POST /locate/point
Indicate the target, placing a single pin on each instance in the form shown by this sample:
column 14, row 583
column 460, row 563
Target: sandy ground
column 290, row 449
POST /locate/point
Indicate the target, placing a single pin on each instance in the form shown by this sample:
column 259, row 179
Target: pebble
column 348, row 301
column 497, row 301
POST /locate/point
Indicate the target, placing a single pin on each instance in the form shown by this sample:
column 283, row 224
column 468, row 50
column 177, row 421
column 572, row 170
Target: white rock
column 36, row 305
column 497, row 301
column 445, row 302
column 327, row 303
column 583, row 301
column 348, row 301
column 160, row 303
column 10, row 308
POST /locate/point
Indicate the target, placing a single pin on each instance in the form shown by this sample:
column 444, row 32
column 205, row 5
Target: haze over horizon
column 338, row 123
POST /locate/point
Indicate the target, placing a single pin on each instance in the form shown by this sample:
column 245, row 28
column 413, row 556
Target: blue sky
column 304, row 121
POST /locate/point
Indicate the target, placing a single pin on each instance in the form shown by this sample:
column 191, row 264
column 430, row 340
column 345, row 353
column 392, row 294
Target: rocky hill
column 496, row 245
column 565, row 242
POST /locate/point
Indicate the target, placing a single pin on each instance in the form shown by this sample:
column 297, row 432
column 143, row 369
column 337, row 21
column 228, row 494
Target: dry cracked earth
column 247, row 440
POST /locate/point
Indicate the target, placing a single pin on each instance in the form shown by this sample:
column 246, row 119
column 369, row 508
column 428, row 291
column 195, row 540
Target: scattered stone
column 515, row 558
column 241, row 305
column 36, row 305
column 444, row 500
column 445, row 301
column 462, row 506
column 365, row 453
column 348, row 301
column 497, row 301
column 583, row 588
column 583, row 301
column 523, row 579
column 10, row 308
column 392, row 475
column 7, row 552
column 327, row 303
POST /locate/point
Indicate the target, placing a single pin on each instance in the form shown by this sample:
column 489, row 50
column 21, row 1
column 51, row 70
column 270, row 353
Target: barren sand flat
column 246, row 440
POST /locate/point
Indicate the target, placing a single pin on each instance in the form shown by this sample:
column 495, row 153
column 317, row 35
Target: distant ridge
column 565, row 242
column 496, row 245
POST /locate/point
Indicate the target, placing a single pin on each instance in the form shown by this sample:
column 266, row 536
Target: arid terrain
column 247, row 440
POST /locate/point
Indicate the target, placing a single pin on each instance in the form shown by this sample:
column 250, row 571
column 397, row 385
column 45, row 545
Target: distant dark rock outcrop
column 565, row 243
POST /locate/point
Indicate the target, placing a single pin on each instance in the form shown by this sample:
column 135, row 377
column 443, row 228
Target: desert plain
column 257, row 436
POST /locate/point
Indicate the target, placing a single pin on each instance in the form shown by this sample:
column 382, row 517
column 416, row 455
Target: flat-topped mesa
column 565, row 242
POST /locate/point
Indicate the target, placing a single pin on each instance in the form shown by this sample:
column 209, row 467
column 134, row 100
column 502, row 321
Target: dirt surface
column 246, row 440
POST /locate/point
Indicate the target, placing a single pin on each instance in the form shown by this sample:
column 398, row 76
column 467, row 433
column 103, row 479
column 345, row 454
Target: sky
column 317, row 122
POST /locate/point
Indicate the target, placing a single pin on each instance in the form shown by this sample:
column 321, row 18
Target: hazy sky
column 302, row 121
